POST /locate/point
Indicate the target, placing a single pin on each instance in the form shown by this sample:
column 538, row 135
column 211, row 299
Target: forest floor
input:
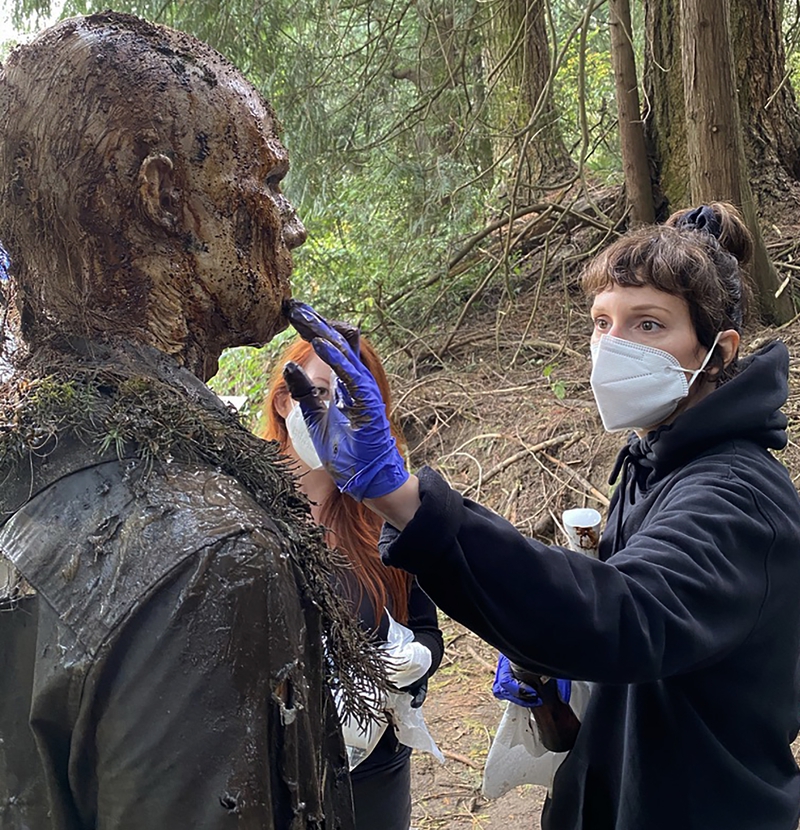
column 507, row 416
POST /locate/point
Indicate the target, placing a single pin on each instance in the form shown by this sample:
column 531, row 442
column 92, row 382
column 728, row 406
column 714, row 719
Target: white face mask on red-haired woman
column 301, row 439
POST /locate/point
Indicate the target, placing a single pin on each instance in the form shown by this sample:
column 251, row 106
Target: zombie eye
column 276, row 175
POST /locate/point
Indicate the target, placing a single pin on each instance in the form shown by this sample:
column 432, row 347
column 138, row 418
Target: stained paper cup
column 582, row 526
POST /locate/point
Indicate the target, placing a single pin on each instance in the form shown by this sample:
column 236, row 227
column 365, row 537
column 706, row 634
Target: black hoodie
column 689, row 623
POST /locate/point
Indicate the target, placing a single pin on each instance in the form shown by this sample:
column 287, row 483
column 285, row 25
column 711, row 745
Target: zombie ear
column 159, row 199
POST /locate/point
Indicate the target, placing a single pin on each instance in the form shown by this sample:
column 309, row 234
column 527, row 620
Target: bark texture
column 769, row 114
column 519, row 63
column 634, row 155
column 771, row 119
column 664, row 111
column 717, row 164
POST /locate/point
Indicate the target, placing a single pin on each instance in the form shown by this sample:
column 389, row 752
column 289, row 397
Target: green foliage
column 557, row 387
column 247, row 371
column 594, row 61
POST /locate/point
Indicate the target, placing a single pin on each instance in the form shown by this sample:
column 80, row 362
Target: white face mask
column 638, row 386
column 301, row 438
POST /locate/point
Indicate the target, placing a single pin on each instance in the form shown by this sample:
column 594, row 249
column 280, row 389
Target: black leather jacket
column 158, row 665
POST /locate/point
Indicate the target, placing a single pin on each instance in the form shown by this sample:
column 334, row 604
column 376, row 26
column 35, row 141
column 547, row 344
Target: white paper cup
column 582, row 526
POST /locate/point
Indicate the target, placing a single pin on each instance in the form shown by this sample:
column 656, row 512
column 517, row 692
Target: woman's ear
column 728, row 345
column 159, row 199
column 283, row 403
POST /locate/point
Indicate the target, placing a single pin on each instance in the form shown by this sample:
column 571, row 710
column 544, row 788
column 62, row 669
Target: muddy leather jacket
column 158, row 668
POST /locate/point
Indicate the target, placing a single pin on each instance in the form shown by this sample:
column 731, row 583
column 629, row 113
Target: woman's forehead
column 638, row 299
column 316, row 368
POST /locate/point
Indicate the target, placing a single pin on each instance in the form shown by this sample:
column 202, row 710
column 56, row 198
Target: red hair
column 352, row 528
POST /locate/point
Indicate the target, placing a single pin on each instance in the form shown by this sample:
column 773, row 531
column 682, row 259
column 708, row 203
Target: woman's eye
column 600, row 323
column 649, row 325
column 323, row 392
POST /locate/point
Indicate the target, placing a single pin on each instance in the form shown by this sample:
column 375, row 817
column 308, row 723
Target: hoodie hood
column 746, row 408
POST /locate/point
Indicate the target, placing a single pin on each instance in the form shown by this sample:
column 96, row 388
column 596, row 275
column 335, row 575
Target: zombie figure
column 167, row 626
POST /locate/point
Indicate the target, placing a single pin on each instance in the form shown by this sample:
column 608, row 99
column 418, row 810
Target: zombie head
column 140, row 191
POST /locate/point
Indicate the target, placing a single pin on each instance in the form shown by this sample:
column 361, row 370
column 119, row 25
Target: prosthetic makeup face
column 240, row 226
column 140, row 191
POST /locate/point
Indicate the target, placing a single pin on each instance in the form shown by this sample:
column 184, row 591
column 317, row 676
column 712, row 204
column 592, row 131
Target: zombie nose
column 294, row 232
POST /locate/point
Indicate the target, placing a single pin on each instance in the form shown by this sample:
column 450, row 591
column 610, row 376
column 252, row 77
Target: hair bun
column 703, row 218
column 721, row 220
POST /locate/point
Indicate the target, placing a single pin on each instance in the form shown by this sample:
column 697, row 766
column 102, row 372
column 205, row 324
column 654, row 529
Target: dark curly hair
column 700, row 255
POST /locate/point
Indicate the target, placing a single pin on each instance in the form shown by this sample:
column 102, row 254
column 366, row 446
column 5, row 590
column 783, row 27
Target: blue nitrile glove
column 5, row 264
column 507, row 687
column 352, row 436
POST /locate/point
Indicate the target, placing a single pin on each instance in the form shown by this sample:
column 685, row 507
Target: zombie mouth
column 306, row 328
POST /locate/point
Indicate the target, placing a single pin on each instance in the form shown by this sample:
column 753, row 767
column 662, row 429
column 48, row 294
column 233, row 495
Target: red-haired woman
column 382, row 781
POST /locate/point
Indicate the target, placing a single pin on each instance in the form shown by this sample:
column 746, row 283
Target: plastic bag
column 517, row 755
column 361, row 738
column 406, row 662
column 410, row 725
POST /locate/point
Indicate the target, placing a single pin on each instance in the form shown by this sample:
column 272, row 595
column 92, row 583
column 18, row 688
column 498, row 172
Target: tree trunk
column 518, row 62
column 771, row 119
column 768, row 109
column 665, row 128
column 717, row 165
column 634, row 156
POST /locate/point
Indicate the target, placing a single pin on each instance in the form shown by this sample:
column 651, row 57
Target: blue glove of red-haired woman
column 352, row 436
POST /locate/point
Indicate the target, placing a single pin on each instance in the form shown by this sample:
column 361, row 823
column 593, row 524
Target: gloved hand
column 352, row 436
column 418, row 692
column 507, row 687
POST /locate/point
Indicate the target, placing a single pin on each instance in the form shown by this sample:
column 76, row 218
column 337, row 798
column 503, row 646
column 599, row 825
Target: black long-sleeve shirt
column 689, row 623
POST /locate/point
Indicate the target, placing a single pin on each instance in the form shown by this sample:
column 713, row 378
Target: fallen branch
column 480, row 660
column 578, row 217
column 580, row 479
column 518, row 456
column 462, row 759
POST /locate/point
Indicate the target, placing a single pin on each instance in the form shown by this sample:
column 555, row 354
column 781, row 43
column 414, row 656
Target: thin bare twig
column 518, row 456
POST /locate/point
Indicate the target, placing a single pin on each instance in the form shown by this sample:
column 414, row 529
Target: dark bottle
column 558, row 725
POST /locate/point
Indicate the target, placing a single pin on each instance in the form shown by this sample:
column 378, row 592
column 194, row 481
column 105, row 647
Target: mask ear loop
column 703, row 365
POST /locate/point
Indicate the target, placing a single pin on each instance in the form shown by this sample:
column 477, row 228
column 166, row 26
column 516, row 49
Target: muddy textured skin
column 140, row 191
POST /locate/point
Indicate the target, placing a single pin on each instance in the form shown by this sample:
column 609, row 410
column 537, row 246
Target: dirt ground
column 462, row 716
column 507, row 416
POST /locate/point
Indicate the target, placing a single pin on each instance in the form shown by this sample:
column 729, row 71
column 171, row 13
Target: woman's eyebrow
column 645, row 308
